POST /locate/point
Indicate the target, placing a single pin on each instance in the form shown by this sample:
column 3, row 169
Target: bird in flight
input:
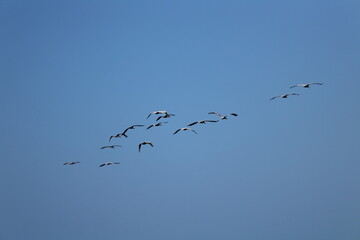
column 108, row 163
column 167, row 115
column 112, row 146
column 285, row 95
column 307, row 85
column 155, row 125
column 224, row 117
column 184, row 129
column 156, row 112
column 131, row 127
column 115, row 136
column 145, row 143
column 71, row 163
column 202, row 122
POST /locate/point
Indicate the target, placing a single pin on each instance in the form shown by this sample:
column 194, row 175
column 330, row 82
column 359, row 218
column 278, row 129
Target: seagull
column 284, row 96
column 224, row 117
column 202, row 122
column 144, row 143
column 116, row 136
column 167, row 115
column 307, row 85
column 108, row 163
column 71, row 163
column 184, row 129
column 113, row 146
column 131, row 127
column 155, row 125
column 156, row 112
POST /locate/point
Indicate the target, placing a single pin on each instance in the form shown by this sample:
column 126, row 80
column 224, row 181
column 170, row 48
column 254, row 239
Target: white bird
column 306, row 85
column 184, row 129
column 156, row 112
column 71, row 163
column 167, row 115
column 113, row 146
column 145, row 143
column 108, row 163
column 202, row 122
column 224, row 117
column 155, row 125
column 285, row 95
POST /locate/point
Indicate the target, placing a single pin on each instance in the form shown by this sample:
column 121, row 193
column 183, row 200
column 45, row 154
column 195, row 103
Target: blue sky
column 75, row 72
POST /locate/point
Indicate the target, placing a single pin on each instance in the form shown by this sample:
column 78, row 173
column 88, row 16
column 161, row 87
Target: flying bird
column 155, row 125
column 145, row 143
column 167, row 115
column 116, row 136
column 108, row 163
column 71, row 163
column 131, row 127
column 285, row 95
column 224, row 117
column 307, row 85
column 156, row 112
column 184, row 129
column 202, row 122
column 113, row 146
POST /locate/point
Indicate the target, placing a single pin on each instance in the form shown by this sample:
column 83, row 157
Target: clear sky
column 75, row 72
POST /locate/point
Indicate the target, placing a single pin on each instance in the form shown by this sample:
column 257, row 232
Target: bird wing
column 116, row 163
column 104, row 147
column 211, row 120
column 149, row 115
column 149, row 126
column 176, row 131
column 192, row 123
column 159, row 118
column 315, row 83
column 274, row 97
column 297, row 85
column 137, row 126
column 215, row 114
column 110, row 138
column 193, row 131
column 293, row 94
column 66, row 163
column 140, row 146
column 233, row 114
column 151, row 144
column 102, row 165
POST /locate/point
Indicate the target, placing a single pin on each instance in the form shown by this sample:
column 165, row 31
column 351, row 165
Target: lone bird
column 167, row 115
column 71, row 163
column 202, row 122
column 155, row 125
column 307, row 85
column 156, row 112
column 285, row 95
column 224, row 117
column 184, row 129
column 108, row 163
column 145, row 143
column 113, row 146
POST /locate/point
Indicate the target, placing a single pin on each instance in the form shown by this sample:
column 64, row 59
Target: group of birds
column 165, row 114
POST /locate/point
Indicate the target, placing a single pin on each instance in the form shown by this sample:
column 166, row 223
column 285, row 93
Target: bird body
column 112, row 146
column 108, row 163
column 285, row 95
column 224, row 117
column 145, row 143
column 184, row 129
column 71, row 163
column 202, row 122
column 306, row 85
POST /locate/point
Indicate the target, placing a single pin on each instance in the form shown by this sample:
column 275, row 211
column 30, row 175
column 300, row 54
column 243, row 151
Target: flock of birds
column 165, row 114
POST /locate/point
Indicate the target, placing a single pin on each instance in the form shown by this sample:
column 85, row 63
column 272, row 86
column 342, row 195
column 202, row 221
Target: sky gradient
column 75, row 72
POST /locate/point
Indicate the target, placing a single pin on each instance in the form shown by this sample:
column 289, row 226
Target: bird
column 224, row 117
column 167, row 115
column 71, row 163
column 113, row 146
column 156, row 112
column 144, row 143
column 184, row 129
column 116, row 136
column 307, row 85
column 155, row 125
column 202, row 122
column 131, row 127
column 285, row 95
column 108, row 163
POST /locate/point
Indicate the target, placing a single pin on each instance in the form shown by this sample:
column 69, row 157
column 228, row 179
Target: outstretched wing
column 191, row 124
column 274, row 97
column 140, row 146
column 233, row 114
column 151, row 144
column 211, row 120
column 297, row 85
column 149, row 127
column 215, row 114
column 149, row 115
column 315, row 83
column 193, row 130
column 102, row 165
column 176, row 131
